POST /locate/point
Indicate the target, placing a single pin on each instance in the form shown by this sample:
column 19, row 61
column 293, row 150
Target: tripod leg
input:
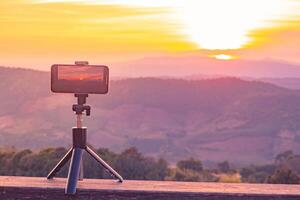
column 104, row 164
column 80, row 178
column 60, row 164
column 74, row 170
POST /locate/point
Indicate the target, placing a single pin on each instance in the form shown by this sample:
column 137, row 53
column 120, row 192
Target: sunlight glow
column 228, row 24
column 213, row 24
column 223, row 57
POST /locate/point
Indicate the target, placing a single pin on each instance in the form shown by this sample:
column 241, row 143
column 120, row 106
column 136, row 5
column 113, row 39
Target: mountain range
column 216, row 119
column 189, row 65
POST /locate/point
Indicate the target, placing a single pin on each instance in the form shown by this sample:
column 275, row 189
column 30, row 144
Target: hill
column 291, row 83
column 191, row 64
column 215, row 120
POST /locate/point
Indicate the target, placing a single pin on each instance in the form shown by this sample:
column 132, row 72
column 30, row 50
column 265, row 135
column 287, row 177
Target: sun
column 223, row 57
column 228, row 24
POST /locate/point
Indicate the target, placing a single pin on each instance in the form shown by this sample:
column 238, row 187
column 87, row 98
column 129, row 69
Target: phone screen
column 80, row 73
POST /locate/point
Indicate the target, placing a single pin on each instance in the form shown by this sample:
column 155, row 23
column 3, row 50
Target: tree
column 190, row 164
column 92, row 169
column 133, row 165
column 185, row 175
column 257, row 173
column 284, row 176
column 224, row 167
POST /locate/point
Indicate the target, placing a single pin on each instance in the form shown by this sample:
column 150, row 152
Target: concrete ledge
column 15, row 188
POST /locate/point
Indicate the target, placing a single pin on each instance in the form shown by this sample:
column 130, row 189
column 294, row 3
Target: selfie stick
column 79, row 145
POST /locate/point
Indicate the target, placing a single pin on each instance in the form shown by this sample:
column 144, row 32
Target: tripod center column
column 79, row 137
column 79, row 133
column 79, row 121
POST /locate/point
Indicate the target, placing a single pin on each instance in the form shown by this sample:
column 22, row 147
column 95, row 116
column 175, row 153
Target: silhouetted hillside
column 218, row 119
column 291, row 83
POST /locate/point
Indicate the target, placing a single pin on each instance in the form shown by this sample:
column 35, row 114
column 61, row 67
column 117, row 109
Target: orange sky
column 38, row 33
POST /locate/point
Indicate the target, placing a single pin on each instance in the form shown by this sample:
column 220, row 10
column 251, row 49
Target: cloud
column 72, row 30
column 40, row 32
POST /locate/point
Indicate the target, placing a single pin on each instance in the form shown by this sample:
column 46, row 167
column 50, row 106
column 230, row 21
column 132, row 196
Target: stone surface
column 15, row 188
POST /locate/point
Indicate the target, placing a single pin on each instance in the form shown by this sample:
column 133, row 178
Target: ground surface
column 33, row 188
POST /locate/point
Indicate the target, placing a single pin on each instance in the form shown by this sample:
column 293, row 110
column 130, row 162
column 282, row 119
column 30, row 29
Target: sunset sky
column 38, row 33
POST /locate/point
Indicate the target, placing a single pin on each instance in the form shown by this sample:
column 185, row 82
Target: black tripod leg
column 74, row 170
column 60, row 164
column 104, row 164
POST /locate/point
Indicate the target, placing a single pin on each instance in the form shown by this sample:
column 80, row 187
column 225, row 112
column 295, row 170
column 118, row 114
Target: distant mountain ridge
column 188, row 65
column 215, row 119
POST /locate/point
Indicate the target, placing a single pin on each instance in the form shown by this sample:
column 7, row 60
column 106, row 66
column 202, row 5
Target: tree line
column 132, row 164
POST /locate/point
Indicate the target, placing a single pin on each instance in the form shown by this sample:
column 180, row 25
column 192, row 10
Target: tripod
column 75, row 153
